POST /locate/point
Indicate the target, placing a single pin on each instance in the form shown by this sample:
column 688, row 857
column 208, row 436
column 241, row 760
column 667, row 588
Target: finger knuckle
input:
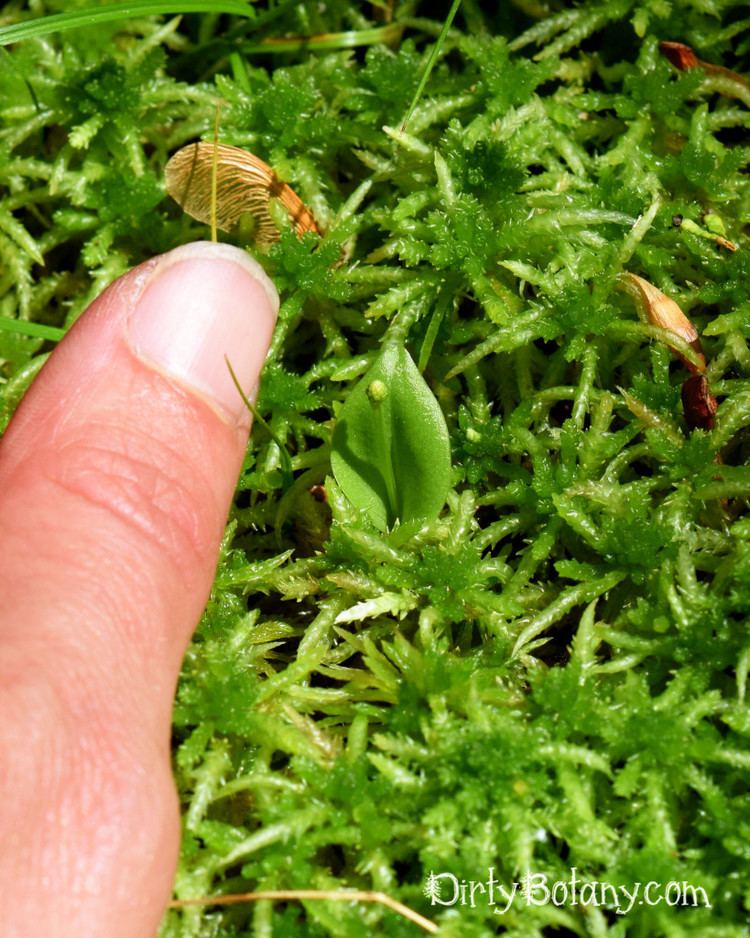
column 142, row 482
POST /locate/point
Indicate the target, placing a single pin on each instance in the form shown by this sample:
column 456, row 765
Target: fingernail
column 203, row 304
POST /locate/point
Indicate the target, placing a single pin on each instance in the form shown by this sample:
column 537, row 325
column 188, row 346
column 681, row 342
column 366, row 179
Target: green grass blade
column 75, row 19
column 431, row 62
column 32, row 329
column 286, row 462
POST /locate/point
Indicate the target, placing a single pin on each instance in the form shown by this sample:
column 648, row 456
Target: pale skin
column 116, row 478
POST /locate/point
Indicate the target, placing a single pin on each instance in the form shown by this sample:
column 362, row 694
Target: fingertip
column 204, row 307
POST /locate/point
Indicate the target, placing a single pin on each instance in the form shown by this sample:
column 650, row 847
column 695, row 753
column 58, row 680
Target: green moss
column 554, row 672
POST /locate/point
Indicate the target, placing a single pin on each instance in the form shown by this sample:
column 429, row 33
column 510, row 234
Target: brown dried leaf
column 683, row 58
column 662, row 311
column 244, row 186
column 680, row 55
column 698, row 403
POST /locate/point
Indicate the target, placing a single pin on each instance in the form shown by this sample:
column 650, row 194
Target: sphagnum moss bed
column 550, row 676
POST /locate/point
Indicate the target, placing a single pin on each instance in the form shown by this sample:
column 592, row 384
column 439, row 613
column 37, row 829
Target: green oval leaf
column 391, row 453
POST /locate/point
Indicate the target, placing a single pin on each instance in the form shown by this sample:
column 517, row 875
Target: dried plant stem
column 332, row 895
column 214, row 174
